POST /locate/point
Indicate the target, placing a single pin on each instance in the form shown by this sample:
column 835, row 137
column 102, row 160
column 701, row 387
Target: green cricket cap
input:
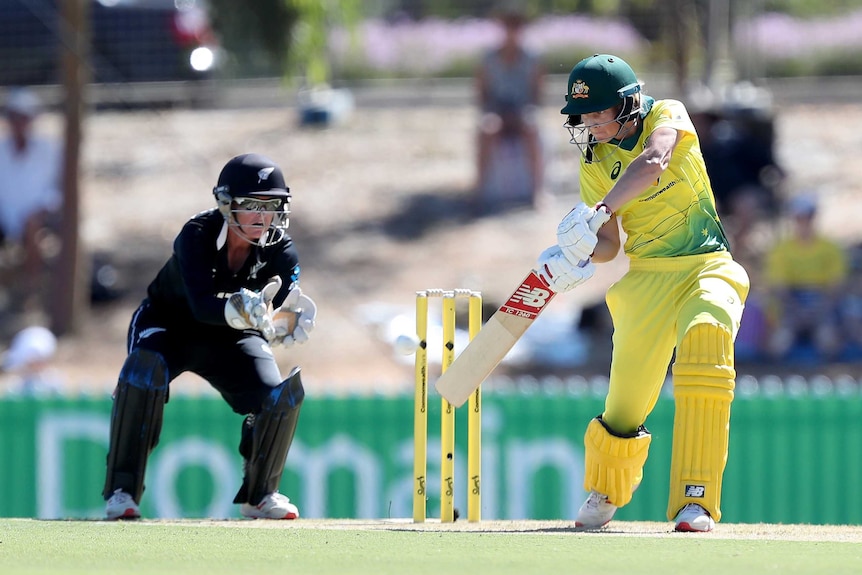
column 597, row 83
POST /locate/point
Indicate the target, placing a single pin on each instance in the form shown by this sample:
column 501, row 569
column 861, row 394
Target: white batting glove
column 559, row 273
column 247, row 309
column 295, row 319
column 576, row 234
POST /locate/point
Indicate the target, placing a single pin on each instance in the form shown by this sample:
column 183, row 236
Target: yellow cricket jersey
column 676, row 216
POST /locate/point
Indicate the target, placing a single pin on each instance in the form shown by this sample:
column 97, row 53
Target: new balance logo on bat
column 529, row 299
column 529, row 296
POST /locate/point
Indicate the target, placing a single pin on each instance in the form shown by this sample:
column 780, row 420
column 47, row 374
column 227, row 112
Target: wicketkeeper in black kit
column 228, row 293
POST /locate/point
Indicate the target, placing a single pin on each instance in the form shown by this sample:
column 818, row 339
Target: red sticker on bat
column 529, row 299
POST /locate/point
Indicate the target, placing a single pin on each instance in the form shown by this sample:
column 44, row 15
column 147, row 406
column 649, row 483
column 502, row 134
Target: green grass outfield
column 344, row 547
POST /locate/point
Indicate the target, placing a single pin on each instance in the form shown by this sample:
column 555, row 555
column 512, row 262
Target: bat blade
column 494, row 340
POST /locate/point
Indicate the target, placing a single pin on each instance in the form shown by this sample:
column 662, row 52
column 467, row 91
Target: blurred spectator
column 851, row 307
column 597, row 329
column 27, row 363
column 30, row 171
column 753, row 336
column 755, row 327
column 737, row 146
column 805, row 273
column 509, row 84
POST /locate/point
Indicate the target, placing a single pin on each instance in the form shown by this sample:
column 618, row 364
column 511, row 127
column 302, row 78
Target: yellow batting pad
column 614, row 465
column 703, row 379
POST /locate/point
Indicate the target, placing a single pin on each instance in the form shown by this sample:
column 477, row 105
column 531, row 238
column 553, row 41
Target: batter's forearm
column 645, row 170
column 606, row 250
column 639, row 176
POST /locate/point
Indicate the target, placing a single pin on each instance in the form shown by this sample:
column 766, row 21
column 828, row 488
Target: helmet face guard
column 600, row 82
column 586, row 142
column 276, row 210
column 254, row 183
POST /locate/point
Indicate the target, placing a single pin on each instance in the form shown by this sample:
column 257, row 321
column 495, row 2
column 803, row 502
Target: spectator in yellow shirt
column 805, row 274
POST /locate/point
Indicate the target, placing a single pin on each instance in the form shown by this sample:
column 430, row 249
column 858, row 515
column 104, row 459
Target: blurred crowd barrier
column 793, row 450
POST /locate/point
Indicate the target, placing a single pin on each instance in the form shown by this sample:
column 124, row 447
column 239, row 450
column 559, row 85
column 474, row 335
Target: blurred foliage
column 291, row 37
column 255, row 34
column 488, row 8
column 837, row 63
column 309, row 54
column 810, row 8
column 605, row 8
column 283, row 37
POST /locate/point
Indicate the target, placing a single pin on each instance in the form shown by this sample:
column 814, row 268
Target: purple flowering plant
column 436, row 47
column 433, row 47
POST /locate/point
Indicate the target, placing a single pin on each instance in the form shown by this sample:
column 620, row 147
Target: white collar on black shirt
column 221, row 240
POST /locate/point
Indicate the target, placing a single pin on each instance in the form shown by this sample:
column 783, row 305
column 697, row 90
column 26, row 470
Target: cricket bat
column 494, row 340
column 502, row 331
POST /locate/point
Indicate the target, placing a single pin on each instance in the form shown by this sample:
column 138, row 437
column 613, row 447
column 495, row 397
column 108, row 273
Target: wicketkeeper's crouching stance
column 228, row 293
column 641, row 166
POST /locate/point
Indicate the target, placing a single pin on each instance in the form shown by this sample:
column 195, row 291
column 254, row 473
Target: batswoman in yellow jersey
column 642, row 173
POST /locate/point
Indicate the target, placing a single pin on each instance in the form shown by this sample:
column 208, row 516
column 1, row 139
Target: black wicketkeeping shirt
column 194, row 283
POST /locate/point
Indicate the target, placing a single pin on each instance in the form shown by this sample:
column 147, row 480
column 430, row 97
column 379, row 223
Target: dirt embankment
column 379, row 212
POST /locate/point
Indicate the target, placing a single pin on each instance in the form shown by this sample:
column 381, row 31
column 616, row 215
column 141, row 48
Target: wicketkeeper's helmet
column 254, row 182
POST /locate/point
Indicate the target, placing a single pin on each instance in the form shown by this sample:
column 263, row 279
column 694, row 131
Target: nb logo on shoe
column 695, row 490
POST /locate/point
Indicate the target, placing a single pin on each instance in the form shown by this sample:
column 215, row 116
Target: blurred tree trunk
column 719, row 69
column 71, row 287
column 681, row 29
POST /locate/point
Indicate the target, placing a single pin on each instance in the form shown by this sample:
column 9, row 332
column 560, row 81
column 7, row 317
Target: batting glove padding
column 295, row 325
column 559, row 273
column 576, row 234
column 248, row 309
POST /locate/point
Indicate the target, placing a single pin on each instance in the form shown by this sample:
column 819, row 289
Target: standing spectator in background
column 509, row 85
column 30, row 172
column 805, row 273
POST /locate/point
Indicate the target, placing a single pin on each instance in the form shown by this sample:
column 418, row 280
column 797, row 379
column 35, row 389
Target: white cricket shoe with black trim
column 121, row 505
column 694, row 519
column 596, row 511
column 273, row 506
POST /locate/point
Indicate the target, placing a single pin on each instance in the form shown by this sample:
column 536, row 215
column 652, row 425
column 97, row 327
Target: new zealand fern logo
column 264, row 174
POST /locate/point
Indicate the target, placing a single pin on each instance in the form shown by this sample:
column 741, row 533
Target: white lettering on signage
column 514, row 463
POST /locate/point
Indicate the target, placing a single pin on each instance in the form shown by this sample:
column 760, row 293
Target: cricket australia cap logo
column 580, row 89
column 264, row 174
column 695, row 491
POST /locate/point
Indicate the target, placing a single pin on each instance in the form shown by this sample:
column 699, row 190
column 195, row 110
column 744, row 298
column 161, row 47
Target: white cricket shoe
column 596, row 511
column 273, row 506
column 694, row 519
column 121, row 505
